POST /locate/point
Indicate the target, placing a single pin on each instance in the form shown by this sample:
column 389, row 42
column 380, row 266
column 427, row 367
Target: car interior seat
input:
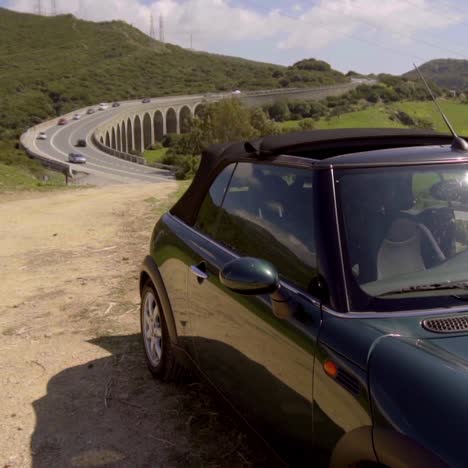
column 407, row 244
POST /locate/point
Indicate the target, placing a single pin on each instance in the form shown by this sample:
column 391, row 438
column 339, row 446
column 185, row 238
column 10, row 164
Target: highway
column 101, row 167
column 105, row 168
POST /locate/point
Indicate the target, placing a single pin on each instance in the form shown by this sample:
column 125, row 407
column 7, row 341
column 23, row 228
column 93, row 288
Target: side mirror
column 250, row 276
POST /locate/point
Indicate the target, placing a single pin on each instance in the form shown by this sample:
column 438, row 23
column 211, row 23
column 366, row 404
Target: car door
column 262, row 363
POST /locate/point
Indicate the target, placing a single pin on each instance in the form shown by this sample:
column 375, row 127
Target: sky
column 367, row 36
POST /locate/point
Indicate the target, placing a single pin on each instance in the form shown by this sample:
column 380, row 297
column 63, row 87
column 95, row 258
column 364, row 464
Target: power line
column 39, row 7
column 53, row 7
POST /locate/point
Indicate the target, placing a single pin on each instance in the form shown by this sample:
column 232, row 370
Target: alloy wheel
column 152, row 329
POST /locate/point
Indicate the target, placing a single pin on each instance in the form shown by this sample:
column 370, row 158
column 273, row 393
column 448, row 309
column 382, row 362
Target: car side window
column 210, row 208
column 267, row 213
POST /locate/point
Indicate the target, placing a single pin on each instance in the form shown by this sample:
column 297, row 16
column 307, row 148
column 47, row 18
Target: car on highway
column 77, row 117
column 146, row 100
column 116, row 104
column 42, row 136
column 81, row 143
column 103, row 106
column 236, row 91
column 319, row 281
column 76, row 158
column 62, row 121
column 90, row 111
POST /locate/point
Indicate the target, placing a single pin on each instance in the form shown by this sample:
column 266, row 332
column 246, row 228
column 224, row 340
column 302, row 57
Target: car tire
column 157, row 345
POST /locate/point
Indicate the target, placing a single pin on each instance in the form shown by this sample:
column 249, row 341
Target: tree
column 312, row 64
column 260, row 121
column 279, row 111
column 223, row 121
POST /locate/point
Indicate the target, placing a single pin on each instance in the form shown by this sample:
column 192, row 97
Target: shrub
column 186, row 166
column 279, row 111
column 405, row 118
column 307, row 124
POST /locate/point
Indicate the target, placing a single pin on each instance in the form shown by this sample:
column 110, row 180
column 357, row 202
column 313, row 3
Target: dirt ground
column 73, row 384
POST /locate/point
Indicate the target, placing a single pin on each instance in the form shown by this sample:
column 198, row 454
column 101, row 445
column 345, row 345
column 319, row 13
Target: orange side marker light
column 330, row 368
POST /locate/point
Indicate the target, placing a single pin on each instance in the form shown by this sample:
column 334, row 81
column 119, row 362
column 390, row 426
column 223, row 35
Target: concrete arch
column 171, row 121
column 130, row 144
column 124, row 136
column 158, row 126
column 107, row 139
column 148, row 138
column 185, row 119
column 138, row 134
column 113, row 139
column 102, row 140
column 119, row 138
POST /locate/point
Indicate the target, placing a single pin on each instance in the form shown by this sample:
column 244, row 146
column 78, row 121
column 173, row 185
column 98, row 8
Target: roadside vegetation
column 393, row 103
column 220, row 122
column 155, row 154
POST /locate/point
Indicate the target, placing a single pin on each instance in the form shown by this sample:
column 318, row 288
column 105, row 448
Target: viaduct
column 138, row 127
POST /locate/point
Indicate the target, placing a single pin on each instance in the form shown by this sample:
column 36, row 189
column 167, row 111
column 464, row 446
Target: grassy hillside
column 447, row 73
column 49, row 65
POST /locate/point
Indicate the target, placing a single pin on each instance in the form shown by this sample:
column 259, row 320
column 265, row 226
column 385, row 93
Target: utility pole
column 161, row 28
column 53, row 7
column 152, row 30
column 191, row 41
column 39, row 7
column 81, row 10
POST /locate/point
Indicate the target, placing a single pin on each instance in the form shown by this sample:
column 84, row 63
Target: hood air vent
column 447, row 324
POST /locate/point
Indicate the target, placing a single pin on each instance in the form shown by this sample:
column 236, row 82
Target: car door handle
column 199, row 273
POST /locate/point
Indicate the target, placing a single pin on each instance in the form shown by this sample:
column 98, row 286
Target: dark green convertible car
column 319, row 281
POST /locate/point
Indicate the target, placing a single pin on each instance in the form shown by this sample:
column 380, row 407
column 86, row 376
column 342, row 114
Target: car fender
column 415, row 402
column 151, row 270
column 399, row 451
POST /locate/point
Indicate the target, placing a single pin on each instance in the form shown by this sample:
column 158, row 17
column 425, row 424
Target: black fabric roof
column 314, row 144
column 346, row 139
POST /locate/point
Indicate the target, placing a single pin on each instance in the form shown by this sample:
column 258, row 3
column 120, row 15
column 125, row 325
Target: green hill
column 50, row 65
column 447, row 73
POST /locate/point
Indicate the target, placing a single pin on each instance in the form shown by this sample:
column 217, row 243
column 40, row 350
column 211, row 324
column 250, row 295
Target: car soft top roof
column 313, row 144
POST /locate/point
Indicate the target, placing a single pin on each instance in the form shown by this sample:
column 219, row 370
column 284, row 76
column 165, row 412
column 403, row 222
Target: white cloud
column 332, row 20
column 312, row 28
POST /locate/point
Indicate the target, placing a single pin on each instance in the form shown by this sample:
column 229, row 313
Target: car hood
column 451, row 348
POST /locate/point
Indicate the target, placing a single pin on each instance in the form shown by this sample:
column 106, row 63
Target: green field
column 155, row 156
column 456, row 112
column 379, row 116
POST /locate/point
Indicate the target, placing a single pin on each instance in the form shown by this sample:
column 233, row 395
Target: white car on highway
column 77, row 117
column 103, row 106
column 42, row 136
column 76, row 158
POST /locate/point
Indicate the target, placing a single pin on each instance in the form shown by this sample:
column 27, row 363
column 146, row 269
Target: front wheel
column 157, row 344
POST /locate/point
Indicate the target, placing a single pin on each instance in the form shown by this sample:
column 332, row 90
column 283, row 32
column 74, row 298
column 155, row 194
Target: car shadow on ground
column 111, row 412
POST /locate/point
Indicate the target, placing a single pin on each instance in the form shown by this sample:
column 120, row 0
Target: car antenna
column 458, row 143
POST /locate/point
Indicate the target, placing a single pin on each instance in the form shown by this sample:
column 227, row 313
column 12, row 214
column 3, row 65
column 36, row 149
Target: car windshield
column 406, row 230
